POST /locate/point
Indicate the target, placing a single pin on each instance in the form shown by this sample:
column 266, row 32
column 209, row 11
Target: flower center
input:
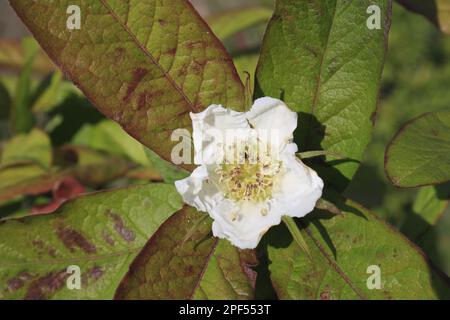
column 248, row 181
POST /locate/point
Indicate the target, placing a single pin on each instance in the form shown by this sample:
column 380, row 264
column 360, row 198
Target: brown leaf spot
column 193, row 44
column 171, row 52
column 138, row 75
column 119, row 116
column 248, row 259
column 51, row 252
column 142, row 100
column 72, row 239
column 251, row 275
column 119, row 54
column 18, row 281
column 44, row 287
column 41, row 248
column 147, row 97
column 325, row 295
column 94, row 274
column 126, row 233
column 107, row 237
column 38, row 244
column 197, row 67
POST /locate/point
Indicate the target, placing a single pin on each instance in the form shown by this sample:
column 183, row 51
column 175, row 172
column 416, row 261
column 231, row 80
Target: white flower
column 245, row 198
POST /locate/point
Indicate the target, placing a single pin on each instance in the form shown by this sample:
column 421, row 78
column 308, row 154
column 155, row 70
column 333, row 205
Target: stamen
column 248, row 181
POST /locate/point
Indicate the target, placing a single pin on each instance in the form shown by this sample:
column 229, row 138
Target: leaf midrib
column 150, row 56
column 204, row 268
column 335, row 266
column 319, row 78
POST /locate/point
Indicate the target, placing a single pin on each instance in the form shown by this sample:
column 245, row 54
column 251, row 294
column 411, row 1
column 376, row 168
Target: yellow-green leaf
column 144, row 64
column 173, row 266
column 99, row 233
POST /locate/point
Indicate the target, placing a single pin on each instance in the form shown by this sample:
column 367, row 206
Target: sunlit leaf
column 18, row 180
column 144, row 64
column 343, row 248
column 321, row 58
column 32, row 147
column 172, row 266
column 225, row 24
column 51, row 95
column 100, row 233
column 21, row 116
column 168, row 171
column 110, row 137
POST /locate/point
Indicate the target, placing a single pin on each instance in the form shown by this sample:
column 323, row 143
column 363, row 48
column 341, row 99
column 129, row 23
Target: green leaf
column 437, row 11
column 167, row 170
column 108, row 136
column 28, row 179
column 343, row 247
column 91, row 167
column 14, row 174
column 328, row 206
column 21, row 116
column 228, row 23
column 427, row 209
column 419, row 154
column 296, row 235
column 100, row 233
column 52, row 95
column 321, row 58
column 32, row 147
column 172, row 266
column 320, row 153
column 144, row 64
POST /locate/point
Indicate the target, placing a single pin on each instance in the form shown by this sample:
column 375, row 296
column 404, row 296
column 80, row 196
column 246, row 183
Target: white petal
column 209, row 131
column 242, row 224
column 273, row 114
column 197, row 191
column 297, row 190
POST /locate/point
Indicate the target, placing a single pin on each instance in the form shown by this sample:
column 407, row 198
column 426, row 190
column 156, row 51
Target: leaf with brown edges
column 144, row 64
column 100, row 233
column 183, row 261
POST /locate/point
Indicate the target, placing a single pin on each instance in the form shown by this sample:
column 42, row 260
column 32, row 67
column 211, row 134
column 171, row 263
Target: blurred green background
column 416, row 80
